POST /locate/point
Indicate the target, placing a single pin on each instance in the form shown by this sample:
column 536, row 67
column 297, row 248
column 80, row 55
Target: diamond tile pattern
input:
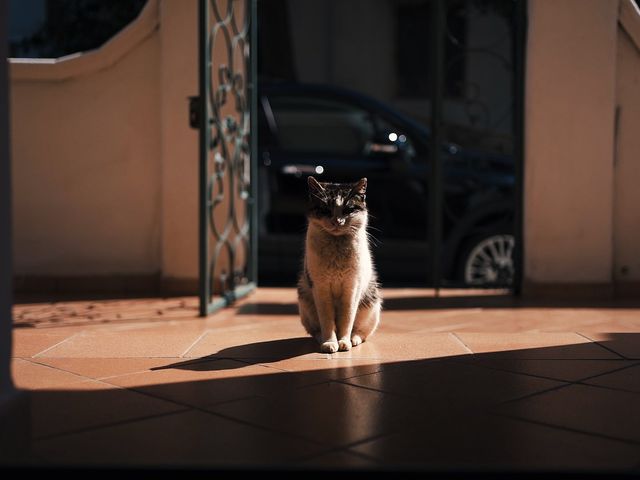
column 456, row 382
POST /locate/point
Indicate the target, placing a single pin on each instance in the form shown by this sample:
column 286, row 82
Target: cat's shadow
column 240, row 356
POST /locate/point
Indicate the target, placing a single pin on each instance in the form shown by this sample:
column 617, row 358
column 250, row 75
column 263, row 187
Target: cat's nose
column 339, row 221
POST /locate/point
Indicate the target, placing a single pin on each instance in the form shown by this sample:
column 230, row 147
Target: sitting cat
column 338, row 294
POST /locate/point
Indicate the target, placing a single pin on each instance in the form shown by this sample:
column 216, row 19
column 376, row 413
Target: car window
column 320, row 125
column 397, row 134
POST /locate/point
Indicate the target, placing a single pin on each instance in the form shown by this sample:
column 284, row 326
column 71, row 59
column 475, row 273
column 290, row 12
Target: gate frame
column 200, row 117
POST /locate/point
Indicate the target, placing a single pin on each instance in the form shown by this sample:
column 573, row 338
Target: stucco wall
column 569, row 138
column 106, row 164
column 87, row 159
column 179, row 80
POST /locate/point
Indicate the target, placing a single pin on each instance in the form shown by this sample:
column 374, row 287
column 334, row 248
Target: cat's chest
column 334, row 257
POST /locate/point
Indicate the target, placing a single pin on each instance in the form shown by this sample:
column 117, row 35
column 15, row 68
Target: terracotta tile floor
column 456, row 382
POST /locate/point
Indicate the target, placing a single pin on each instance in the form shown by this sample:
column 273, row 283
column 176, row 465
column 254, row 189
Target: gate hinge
column 194, row 111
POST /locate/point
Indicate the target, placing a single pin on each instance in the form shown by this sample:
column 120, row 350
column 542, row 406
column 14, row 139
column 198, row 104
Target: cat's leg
column 326, row 318
column 308, row 315
column 367, row 320
column 307, row 308
column 346, row 316
column 368, row 315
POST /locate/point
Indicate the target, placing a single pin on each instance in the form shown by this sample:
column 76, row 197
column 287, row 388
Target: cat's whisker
column 373, row 240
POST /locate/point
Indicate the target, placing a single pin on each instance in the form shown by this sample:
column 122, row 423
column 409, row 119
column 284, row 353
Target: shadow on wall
column 572, row 407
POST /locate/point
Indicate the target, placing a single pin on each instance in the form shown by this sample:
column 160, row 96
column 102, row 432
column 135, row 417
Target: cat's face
column 339, row 208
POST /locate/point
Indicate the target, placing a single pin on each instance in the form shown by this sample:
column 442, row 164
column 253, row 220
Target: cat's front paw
column 329, row 347
column 356, row 340
column 344, row 345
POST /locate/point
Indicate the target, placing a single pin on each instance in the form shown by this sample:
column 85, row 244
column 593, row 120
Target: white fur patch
column 339, row 201
column 336, row 270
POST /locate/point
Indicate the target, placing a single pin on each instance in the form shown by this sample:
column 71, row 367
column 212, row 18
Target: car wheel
column 488, row 261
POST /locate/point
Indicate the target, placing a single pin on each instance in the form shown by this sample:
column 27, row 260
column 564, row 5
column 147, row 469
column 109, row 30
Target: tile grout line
column 204, row 410
column 504, row 370
column 200, row 337
column 567, row 384
column 185, row 408
column 330, row 449
column 533, row 394
column 108, row 377
column 605, row 387
column 361, row 374
column 633, row 364
column 281, row 370
column 601, row 345
column 152, row 369
column 258, row 426
column 136, row 372
column 109, row 425
column 566, row 428
column 39, row 354
column 406, row 396
column 454, row 335
column 289, row 434
column 371, row 389
column 579, row 381
column 33, row 361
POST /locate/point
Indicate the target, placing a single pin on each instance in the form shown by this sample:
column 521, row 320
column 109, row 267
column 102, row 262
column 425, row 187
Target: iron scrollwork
column 226, row 153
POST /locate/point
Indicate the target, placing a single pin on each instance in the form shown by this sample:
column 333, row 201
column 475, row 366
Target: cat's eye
column 349, row 209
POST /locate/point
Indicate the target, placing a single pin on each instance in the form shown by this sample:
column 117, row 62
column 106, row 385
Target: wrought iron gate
column 223, row 114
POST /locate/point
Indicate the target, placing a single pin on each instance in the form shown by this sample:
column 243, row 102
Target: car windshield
column 320, row 125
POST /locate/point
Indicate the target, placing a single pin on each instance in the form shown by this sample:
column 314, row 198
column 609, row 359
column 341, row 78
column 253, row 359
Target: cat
column 338, row 293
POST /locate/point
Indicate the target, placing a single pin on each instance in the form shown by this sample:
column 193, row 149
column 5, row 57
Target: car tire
column 487, row 261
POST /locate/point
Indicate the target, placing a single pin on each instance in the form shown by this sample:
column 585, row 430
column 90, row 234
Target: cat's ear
column 314, row 185
column 360, row 188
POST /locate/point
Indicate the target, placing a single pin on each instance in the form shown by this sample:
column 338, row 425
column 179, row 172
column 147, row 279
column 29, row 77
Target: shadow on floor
column 562, row 408
column 272, row 351
column 462, row 302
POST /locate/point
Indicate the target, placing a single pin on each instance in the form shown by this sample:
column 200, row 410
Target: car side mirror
column 382, row 145
column 388, row 142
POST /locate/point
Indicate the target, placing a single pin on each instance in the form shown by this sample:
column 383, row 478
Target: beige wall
column 179, row 143
column 105, row 162
column 627, row 160
column 86, row 159
column 569, row 141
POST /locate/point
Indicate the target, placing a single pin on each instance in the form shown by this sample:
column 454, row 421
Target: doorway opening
column 421, row 97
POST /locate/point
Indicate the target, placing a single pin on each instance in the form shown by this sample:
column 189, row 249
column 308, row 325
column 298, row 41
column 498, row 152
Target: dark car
column 340, row 135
